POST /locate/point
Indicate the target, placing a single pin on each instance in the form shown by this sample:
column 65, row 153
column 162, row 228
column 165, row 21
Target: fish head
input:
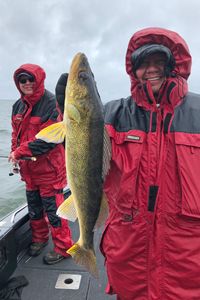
column 81, row 89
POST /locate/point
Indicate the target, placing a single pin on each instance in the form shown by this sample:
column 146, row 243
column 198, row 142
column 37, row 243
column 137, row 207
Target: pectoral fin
column 107, row 154
column 67, row 210
column 73, row 112
column 103, row 212
column 54, row 133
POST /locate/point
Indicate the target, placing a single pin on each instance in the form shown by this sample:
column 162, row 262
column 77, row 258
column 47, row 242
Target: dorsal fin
column 107, row 154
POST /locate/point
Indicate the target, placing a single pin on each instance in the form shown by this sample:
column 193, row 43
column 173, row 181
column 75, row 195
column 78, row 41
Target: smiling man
column 152, row 69
column 151, row 241
column 46, row 177
column 26, row 83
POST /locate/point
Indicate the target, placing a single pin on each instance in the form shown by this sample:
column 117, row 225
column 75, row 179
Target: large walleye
column 88, row 153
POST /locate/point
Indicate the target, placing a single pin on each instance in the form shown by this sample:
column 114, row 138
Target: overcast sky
column 50, row 33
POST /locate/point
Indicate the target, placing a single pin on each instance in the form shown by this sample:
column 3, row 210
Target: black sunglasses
column 22, row 81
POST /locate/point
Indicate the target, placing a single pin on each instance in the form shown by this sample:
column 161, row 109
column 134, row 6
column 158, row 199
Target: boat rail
column 16, row 212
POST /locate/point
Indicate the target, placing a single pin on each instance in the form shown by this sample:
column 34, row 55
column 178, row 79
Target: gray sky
column 50, row 33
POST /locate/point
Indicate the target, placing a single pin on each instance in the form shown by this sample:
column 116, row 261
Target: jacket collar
column 171, row 93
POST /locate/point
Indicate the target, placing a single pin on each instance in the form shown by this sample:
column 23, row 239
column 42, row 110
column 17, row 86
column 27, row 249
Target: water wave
column 5, row 131
column 12, row 188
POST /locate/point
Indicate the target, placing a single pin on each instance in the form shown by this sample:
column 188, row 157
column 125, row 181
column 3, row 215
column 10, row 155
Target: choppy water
column 12, row 189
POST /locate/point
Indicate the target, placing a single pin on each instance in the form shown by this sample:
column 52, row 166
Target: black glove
column 60, row 91
column 13, row 288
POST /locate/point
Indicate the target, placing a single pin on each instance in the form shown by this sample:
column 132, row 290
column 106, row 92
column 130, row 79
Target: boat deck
column 43, row 278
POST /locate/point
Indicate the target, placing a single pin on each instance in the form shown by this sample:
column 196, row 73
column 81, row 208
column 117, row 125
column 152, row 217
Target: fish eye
column 83, row 75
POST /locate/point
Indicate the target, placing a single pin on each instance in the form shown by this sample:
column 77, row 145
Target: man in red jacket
column 151, row 241
column 46, row 177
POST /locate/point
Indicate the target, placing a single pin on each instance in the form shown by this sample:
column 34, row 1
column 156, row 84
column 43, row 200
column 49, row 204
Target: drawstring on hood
column 138, row 88
column 173, row 75
column 179, row 77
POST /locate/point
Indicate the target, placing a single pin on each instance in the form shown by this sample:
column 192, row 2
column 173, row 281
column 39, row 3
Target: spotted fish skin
column 88, row 153
column 84, row 156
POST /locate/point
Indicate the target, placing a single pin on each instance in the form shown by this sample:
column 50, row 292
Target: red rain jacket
column 151, row 241
column 30, row 114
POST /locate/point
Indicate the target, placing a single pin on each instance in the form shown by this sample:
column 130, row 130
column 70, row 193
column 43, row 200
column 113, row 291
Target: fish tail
column 85, row 258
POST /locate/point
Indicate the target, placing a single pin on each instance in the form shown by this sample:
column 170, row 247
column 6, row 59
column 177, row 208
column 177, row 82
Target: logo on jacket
column 133, row 137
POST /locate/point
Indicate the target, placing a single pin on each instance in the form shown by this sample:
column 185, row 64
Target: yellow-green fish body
column 88, row 152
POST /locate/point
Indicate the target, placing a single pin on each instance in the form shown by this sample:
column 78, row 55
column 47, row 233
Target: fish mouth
column 77, row 58
column 76, row 61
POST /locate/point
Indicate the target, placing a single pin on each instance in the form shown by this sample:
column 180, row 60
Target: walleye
column 88, row 154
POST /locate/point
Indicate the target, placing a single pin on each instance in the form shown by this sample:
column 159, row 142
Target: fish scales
column 88, row 153
column 84, row 169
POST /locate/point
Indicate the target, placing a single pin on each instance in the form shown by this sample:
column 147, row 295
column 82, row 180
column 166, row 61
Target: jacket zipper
column 51, row 165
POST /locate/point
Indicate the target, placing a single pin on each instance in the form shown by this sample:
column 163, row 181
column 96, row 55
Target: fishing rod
column 15, row 168
column 24, row 158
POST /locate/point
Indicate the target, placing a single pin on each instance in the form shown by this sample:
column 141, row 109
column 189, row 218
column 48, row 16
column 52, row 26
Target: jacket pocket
column 17, row 122
column 34, row 127
column 188, row 159
column 56, row 160
column 120, row 186
column 52, row 166
column 102, row 238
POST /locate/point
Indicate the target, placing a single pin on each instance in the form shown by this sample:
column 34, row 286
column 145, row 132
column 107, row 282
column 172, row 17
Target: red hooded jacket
column 30, row 114
column 151, row 241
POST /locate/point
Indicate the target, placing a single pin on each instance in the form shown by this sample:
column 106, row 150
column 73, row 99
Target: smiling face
column 27, row 87
column 152, row 69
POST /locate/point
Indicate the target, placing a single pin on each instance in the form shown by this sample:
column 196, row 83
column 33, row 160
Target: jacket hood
column 39, row 76
column 176, row 45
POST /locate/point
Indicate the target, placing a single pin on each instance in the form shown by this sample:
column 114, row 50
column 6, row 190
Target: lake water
column 12, row 192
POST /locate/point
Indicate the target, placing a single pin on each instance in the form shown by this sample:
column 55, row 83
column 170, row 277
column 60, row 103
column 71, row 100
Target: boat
column 64, row 280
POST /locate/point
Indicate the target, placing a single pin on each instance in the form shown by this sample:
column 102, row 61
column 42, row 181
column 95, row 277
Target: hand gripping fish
column 88, row 154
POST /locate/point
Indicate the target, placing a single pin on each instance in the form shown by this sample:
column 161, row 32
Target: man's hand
column 14, row 160
column 14, row 167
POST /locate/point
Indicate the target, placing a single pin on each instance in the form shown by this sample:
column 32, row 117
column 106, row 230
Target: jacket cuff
column 17, row 154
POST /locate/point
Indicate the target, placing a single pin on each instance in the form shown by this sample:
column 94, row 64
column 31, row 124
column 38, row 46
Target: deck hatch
column 68, row 282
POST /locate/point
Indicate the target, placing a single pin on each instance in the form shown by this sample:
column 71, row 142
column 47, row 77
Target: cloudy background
column 51, row 32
